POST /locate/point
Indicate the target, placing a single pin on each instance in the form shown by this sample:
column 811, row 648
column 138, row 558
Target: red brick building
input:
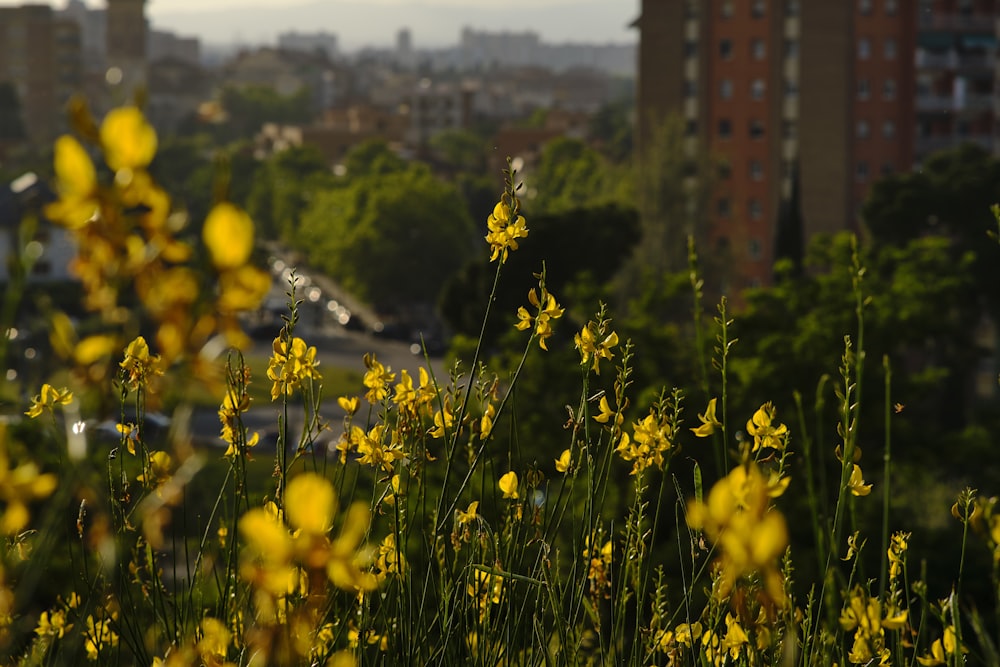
column 838, row 92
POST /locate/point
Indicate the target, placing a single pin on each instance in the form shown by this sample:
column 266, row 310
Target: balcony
column 930, row 103
column 952, row 60
column 958, row 22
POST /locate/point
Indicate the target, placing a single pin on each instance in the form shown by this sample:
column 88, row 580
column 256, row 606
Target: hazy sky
column 375, row 22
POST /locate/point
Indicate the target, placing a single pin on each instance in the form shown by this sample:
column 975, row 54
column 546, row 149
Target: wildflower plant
column 432, row 527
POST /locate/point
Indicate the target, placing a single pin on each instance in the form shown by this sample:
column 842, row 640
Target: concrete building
column 840, row 93
column 40, row 55
column 955, row 62
column 127, row 39
column 309, row 42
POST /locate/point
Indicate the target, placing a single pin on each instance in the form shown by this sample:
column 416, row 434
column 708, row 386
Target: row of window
column 758, row 48
column 759, row 7
column 758, row 87
column 889, row 48
column 862, row 130
column 755, row 127
column 865, row 90
column 867, row 7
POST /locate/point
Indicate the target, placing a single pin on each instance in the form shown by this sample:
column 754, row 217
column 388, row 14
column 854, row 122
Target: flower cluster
column 126, row 235
column 292, row 364
column 751, row 535
column 546, row 310
column 506, row 225
column 863, row 615
column 595, row 342
column 649, row 444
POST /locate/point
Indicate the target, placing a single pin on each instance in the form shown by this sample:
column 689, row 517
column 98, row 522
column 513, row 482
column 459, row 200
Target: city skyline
column 374, row 23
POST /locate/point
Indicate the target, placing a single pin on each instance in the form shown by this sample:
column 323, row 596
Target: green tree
column 950, row 195
column 570, row 175
column 611, row 129
column 372, row 158
column 673, row 187
column 391, row 238
column 284, row 187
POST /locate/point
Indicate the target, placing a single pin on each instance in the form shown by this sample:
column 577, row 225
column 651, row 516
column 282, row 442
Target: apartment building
column 834, row 94
column 40, row 55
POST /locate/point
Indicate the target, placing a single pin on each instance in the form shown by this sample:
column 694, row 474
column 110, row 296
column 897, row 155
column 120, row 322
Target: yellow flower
column 764, row 432
column 76, row 182
column 444, row 420
column 228, row 235
column 310, row 503
column 857, row 482
column 505, row 228
column 508, row 484
column 606, row 413
column 214, row 642
column 563, row 462
column 349, row 405
column 100, row 637
column 376, row 379
column 469, row 515
column 547, row 310
column 129, row 142
column 160, row 464
column 138, row 364
column 709, row 422
column 897, row 553
column 750, row 533
column 48, row 398
column 242, row 288
column 291, row 364
column 594, row 344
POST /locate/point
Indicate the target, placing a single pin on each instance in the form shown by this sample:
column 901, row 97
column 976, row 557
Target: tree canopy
column 391, row 237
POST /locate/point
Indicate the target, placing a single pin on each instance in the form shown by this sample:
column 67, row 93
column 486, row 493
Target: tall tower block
column 126, row 45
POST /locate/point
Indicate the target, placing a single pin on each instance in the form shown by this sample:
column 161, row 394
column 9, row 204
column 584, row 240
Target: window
column 757, row 8
column 758, row 49
column 861, row 129
column 889, row 49
column 789, row 130
column 723, row 208
column 792, row 8
column 727, row 9
column 757, row 89
column 690, row 48
column 890, row 7
column 756, row 170
column 864, row 89
column 726, row 89
column 887, row 169
column 791, row 88
column 753, row 248
column 754, row 209
column 725, row 128
column 725, row 171
column 865, row 7
column 756, row 129
column 864, row 48
column 888, row 129
column 691, row 129
column 690, row 88
column 889, row 89
column 791, row 48
column 725, row 49
column 861, row 172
